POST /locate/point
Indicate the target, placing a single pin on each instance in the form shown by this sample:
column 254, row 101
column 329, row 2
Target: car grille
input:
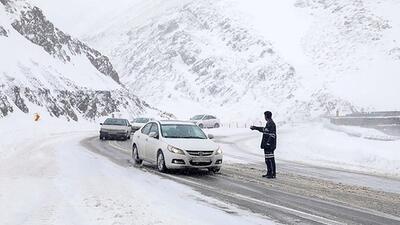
column 113, row 131
column 200, row 153
column 200, row 163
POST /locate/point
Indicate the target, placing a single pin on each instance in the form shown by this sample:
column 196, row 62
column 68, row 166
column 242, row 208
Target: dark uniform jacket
column 268, row 141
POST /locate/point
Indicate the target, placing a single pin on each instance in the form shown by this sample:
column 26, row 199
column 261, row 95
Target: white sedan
column 206, row 121
column 176, row 145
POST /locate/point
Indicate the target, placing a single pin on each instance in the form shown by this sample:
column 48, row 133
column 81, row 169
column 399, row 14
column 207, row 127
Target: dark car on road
column 114, row 128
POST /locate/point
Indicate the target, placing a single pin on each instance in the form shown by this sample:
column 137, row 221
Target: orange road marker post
column 36, row 117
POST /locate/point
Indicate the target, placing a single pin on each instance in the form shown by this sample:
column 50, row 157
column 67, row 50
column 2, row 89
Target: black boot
column 273, row 165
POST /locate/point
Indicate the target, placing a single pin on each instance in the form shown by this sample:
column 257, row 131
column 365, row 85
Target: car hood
column 114, row 127
column 138, row 124
column 192, row 144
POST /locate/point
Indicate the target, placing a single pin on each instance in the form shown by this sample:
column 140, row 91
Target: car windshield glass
column 198, row 117
column 142, row 120
column 117, row 122
column 182, row 131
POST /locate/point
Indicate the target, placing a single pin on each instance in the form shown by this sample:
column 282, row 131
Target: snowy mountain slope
column 354, row 45
column 319, row 55
column 197, row 53
column 43, row 66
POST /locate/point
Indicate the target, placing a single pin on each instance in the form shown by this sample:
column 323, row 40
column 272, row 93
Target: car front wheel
column 216, row 125
column 161, row 162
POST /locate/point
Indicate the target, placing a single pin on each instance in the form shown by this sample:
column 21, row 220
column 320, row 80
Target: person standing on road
column 268, row 143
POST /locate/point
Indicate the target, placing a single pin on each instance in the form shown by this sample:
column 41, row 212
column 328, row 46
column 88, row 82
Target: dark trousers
column 270, row 161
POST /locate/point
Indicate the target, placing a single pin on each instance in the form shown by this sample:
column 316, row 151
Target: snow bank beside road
column 19, row 129
column 318, row 145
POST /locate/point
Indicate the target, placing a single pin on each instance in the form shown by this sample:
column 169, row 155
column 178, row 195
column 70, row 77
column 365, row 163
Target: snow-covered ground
column 332, row 50
column 47, row 177
column 318, row 144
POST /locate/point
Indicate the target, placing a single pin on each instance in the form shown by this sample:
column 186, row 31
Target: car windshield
column 117, row 122
column 142, row 120
column 198, row 117
column 182, row 131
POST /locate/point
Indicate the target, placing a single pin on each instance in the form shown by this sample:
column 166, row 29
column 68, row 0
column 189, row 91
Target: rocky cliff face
column 70, row 105
column 3, row 32
column 34, row 26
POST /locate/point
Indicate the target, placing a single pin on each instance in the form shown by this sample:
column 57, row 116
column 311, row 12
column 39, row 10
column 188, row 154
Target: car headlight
column 175, row 150
column 218, row 151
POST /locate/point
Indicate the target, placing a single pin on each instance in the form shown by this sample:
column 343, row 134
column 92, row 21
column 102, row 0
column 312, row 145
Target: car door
column 153, row 143
column 141, row 140
column 213, row 121
column 128, row 126
column 207, row 122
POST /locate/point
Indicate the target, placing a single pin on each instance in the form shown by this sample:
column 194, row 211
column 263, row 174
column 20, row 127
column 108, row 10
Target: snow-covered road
column 55, row 180
column 71, row 177
column 293, row 198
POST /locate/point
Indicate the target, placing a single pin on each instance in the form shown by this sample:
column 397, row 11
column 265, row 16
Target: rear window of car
column 142, row 120
column 117, row 122
column 197, row 117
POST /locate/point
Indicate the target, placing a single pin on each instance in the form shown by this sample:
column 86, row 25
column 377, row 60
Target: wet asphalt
column 300, row 195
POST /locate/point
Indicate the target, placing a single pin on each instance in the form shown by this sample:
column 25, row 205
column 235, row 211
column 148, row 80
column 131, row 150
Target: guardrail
column 236, row 124
column 388, row 121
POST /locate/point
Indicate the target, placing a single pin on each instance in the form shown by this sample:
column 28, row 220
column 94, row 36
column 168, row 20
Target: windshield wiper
column 184, row 137
column 194, row 137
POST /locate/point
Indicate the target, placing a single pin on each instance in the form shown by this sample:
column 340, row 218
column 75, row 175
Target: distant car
column 115, row 128
column 206, row 121
column 176, row 145
column 139, row 123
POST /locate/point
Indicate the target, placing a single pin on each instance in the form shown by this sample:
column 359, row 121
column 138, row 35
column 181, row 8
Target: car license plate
column 201, row 159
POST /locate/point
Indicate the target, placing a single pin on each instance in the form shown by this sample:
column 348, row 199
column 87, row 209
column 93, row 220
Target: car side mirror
column 153, row 135
column 210, row 136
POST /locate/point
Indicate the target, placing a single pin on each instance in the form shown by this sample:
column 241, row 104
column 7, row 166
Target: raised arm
column 260, row 129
